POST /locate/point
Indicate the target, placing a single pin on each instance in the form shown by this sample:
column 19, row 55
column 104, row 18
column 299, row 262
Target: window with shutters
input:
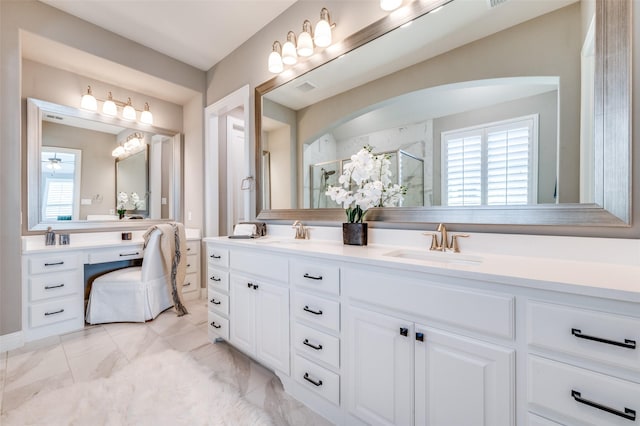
column 60, row 190
column 492, row 164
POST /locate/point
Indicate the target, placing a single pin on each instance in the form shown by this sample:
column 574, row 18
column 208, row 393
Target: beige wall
column 280, row 148
column 48, row 22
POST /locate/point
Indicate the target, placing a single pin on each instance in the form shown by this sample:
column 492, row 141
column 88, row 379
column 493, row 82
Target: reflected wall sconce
column 133, row 143
column 305, row 44
column 110, row 107
column 390, row 5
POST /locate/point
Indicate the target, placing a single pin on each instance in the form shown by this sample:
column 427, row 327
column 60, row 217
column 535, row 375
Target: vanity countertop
column 598, row 279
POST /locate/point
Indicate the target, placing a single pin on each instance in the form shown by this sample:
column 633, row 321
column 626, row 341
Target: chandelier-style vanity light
column 110, row 107
column 305, row 44
column 133, row 144
column 390, row 5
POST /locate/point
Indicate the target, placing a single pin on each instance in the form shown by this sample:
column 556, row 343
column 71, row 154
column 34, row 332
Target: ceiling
column 197, row 32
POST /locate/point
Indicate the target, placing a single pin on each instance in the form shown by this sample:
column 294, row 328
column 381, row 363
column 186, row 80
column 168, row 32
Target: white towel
column 244, row 229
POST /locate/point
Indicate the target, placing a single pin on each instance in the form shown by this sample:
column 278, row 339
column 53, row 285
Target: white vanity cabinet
column 191, row 285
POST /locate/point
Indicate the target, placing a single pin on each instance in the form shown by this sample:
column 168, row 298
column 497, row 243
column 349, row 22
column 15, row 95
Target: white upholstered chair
column 134, row 294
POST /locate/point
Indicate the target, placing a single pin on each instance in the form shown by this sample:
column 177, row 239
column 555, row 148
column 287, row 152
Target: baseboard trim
column 11, row 341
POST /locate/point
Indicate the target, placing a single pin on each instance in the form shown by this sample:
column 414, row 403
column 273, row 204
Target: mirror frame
column 612, row 136
column 35, row 108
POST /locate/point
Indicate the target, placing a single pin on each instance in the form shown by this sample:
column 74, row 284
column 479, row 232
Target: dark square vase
column 354, row 234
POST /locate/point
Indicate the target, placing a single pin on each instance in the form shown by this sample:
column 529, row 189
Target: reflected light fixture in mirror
column 305, row 40
column 289, row 55
column 134, row 142
column 110, row 107
column 275, row 59
column 389, row 5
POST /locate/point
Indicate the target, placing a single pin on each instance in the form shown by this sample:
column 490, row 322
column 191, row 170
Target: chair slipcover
column 134, row 294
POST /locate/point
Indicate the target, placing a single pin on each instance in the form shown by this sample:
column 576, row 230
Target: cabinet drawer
column 320, row 277
column 275, row 267
column 55, row 311
column 218, row 279
column 599, row 336
column 218, row 326
column 53, row 285
column 489, row 313
column 218, row 256
column 533, row 420
column 569, row 393
column 317, row 379
column 52, row 263
column 192, row 264
column 218, row 302
column 191, row 283
column 317, row 310
column 116, row 254
column 193, row 247
column 317, row 345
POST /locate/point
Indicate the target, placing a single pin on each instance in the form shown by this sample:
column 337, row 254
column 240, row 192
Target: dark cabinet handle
column 128, row 254
column 54, row 264
column 629, row 344
column 46, row 314
column 311, row 345
column 186, row 284
column 628, row 414
column 310, row 380
column 306, row 308
column 253, row 286
column 188, row 265
column 49, row 287
column 404, row 331
column 213, row 256
column 214, row 325
column 215, row 302
column 420, row 337
column 311, row 277
column 216, row 279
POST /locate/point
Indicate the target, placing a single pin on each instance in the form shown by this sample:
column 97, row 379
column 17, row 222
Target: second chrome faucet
column 443, row 243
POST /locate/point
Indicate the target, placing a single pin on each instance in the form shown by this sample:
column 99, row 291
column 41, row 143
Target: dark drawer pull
column 214, row 325
column 306, row 308
column 186, row 284
column 310, row 380
column 213, row 256
column 49, row 287
column 129, row 254
column 628, row 414
column 188, row 265
column 216, row 279
column 404, row 331
column 46, row 314
column 311, row 345
column 629, row 344
column 311, row 277
column 215, row 302
column 54, row 264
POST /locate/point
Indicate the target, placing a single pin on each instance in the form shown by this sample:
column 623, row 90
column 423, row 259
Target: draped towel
column 173, row 243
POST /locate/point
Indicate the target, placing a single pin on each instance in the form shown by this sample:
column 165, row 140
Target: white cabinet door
column 242, row 314
column 272, row 325
column 380, row 368
column 461, row 381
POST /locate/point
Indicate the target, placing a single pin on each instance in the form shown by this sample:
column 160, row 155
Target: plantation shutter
column 59, row 196
column 464, row 169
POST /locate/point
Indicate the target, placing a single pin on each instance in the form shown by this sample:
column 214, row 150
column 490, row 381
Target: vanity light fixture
column 275, row 58
column 89, row 101
column 390, row 5
column 110, row 107
column 323, row 29
column 305, row 40
column 133, row 144
column 289, row 55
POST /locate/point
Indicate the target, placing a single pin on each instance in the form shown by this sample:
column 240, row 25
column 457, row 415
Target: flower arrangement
column 365, row 183
column 126, row 201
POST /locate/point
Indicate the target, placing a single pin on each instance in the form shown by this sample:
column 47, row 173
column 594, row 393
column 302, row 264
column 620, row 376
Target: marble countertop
column 598, row 279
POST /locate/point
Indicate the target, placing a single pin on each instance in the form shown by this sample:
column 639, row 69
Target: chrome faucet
column 302, row 233
column 444, row 244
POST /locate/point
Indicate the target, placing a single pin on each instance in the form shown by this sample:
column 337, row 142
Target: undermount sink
column 434, row 256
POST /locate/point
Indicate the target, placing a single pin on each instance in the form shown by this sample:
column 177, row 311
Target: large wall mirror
column 491, row 115
column 89, row 171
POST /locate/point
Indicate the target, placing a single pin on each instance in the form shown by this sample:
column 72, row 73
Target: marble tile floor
column 97, row 351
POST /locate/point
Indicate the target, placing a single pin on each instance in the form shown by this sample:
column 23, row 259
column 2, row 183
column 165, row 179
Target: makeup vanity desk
column 53, row 277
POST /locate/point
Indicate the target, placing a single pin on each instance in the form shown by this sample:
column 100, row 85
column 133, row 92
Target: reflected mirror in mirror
column 85, row 163
column 501, row 115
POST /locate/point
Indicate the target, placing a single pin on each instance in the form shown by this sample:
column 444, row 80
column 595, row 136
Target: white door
column 272, row 326
column 461, row 381
column 380, row 368
column 242, row 313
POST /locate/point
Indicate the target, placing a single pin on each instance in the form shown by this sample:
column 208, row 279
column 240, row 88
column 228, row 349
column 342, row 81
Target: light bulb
column 109, row 107
column 146, row 117
column 88, row 101
column 322, row 36
column 129, row 112
column 275, row 60
column 118, row 151
column 289, row 55
column 305, row 41
column 390, row 5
